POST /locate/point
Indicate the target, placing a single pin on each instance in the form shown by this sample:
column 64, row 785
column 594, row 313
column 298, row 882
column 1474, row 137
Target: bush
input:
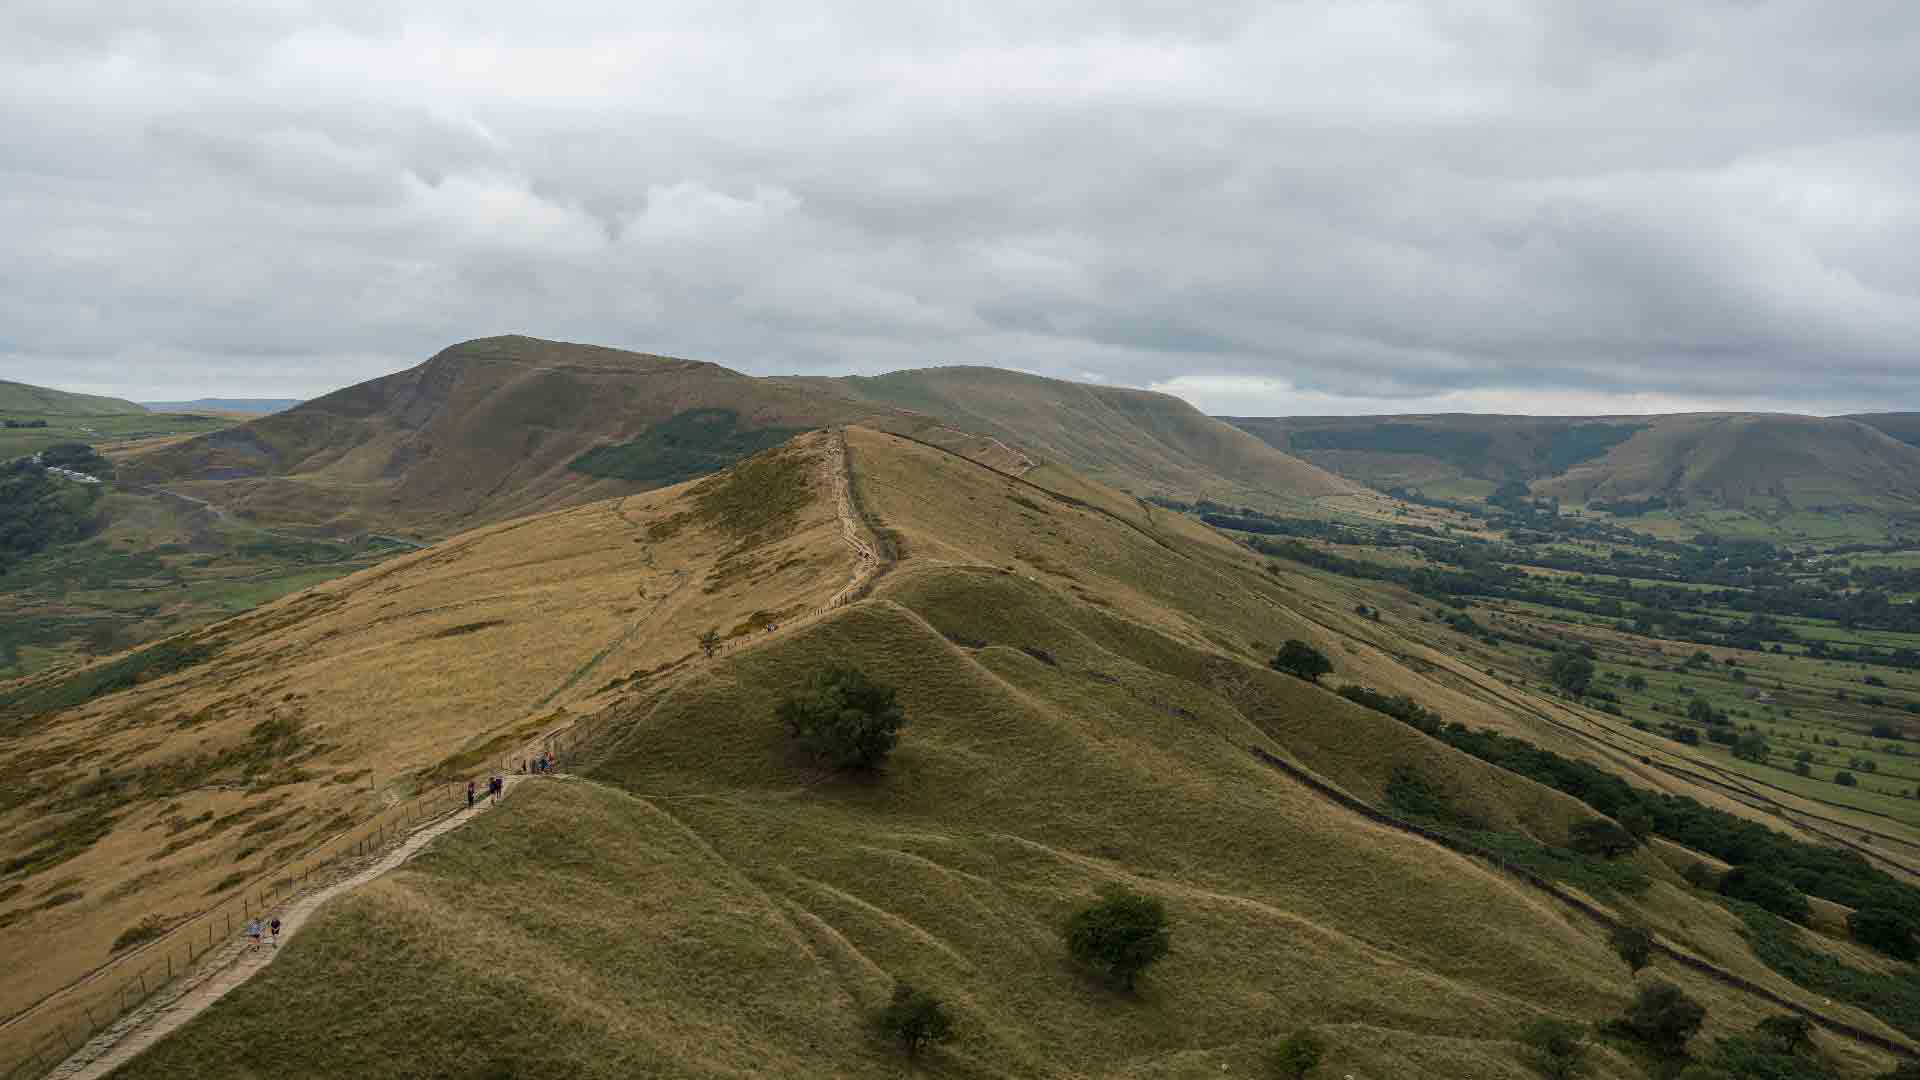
column 1555, row 1047
column 1597, row 836
column 1571, row 672
column 1634, row 943
column 139, row 933
column 1887, row 931
column 1301, row 660
column 1664, row 1018
column 1767, row 890
column 1297, row 1056
column 844, row 718
column 1788, row 1033
column 915, row 1019
column 1123, row 934
column 1846, row 779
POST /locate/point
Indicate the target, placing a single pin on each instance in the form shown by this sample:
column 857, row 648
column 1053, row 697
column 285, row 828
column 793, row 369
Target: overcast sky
column 1267, row 208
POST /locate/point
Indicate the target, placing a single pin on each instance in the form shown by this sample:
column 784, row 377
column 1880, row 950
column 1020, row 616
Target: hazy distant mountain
column 239, row 405
column 1719, row 458
column 23, row 399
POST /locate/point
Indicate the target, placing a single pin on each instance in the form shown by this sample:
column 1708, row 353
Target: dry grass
column 1082, row 682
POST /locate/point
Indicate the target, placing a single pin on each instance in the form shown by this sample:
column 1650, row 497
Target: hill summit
column 503, row 426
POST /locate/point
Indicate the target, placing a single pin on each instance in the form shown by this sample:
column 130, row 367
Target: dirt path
column 236, row 961
column 871, row 558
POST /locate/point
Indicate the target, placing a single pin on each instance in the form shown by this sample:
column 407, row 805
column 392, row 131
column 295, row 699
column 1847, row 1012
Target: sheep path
column 237, row 961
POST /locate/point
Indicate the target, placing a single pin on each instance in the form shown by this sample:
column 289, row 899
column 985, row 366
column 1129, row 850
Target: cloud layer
column 1268, row 208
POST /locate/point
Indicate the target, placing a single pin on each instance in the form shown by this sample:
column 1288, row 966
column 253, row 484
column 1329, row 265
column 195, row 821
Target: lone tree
column 1296, row 1056
column 1556, row 1047
column 915, row 1019
column 1700, row 711
column 1571, row 672
column 844, row 718
column 1664, row 1018
column 1301, row 660
column 1123, row 934
column 710, row 642
column 1634, row 943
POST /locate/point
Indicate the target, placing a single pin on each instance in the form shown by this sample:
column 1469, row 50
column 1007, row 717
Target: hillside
column 232, row 405
column 1138, row 441
column 487, row 430
column 1747, row 460
column 22, row 401
column 1456, row 453
column 1767, row 475
column 1085, row 684
column 1904, row 426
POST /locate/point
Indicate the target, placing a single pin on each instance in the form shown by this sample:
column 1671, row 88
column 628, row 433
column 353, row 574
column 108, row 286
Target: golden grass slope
column 317, row 711
column 1142, row 442
column 1083, row 686
column 481, row 432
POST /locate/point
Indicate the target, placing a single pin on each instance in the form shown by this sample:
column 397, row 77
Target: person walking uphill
column 470, row 794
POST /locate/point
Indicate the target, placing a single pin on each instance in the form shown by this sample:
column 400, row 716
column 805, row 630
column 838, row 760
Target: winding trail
column 234, row 962
column 237, row 961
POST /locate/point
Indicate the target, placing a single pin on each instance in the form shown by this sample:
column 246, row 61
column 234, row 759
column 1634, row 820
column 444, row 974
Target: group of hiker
column 253, row 932
column 495, row 785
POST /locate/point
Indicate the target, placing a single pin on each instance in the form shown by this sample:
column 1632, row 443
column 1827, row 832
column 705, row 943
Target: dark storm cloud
column 1264, row 207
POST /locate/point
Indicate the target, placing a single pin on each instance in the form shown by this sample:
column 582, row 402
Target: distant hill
column 232, row 405
column 1139, row 441
column 22, row 399
column 1724, row 459
column 1904, row 426
column 504, row 426
column 1737, row 460
column 1442, row 449
column 485, row 430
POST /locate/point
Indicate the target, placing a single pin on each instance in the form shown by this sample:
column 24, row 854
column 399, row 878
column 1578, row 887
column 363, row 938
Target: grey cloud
column 1378, row 203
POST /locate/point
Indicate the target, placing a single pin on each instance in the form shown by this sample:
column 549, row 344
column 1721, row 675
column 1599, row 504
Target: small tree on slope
column 844, row 718
column 1123, row 934
column 1301, row 660
column 915, row 1019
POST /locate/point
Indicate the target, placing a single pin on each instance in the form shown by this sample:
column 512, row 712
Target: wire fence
column 38, row 1038
column 35, row 1040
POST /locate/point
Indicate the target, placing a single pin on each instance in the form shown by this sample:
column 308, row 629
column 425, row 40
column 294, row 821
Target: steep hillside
column 1445, row 450
column 1767, row 465
column 1087, row 703
column 491, row 429
column 23, row 401
column 1135, row 440
column 1741, row 460
column 1904, row 426
column 159, row 781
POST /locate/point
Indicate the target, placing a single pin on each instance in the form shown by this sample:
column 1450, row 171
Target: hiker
column 275, row 927
column 253, row 934
column 470, row 791
column 493, row 788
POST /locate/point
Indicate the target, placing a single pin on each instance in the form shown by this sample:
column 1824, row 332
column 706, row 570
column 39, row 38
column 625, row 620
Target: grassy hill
column 1737, row 460
column 1451, row 454
column 1769, row 475
column 499, row 427
column 20, row 400
column 1086, row 687
column 1138, row 441
column 1904, row 426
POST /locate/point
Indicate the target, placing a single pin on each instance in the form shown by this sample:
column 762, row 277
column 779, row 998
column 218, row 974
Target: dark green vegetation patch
column 685, row 445
column 152, row 662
